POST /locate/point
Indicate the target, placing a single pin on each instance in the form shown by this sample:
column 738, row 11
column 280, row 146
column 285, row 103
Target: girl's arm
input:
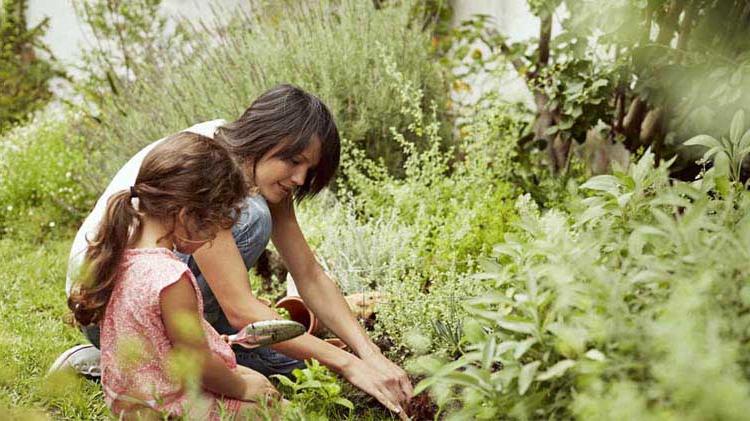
column 179, row 309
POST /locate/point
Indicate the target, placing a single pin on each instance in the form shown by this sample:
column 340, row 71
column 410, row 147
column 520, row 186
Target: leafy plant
column 24, row 73
column 615, row 313
column 314, row 391
column 608, row 66
column 40, row 170
column 727, row 154
column 325, row 48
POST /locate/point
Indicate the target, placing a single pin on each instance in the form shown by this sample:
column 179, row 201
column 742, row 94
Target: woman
column 288, row 145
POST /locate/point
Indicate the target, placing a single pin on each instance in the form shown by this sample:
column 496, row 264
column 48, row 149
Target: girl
column 146, row 301
column 288, row 146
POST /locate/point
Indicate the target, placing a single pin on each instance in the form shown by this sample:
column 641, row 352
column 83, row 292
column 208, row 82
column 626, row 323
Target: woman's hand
column 395, row 376
column 257, row 386
column 382, row 380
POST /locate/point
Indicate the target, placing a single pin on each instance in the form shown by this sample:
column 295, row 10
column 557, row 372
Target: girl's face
column 277, row 178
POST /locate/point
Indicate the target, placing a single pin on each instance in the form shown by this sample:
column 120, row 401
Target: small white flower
column 52, row 224
column 9, row 208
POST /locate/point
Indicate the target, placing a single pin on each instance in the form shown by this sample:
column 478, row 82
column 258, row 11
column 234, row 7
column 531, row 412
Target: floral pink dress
column 136, row 349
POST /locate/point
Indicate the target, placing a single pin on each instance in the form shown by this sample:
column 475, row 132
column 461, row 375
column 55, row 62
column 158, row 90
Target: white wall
column 66, row 36
column 513, row 19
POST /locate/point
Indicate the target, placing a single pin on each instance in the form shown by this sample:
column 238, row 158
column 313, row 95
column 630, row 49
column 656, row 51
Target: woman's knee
column 253, row 229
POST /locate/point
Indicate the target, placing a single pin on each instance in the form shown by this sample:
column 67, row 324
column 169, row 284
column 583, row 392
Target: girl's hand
column 381, row 382
column 257, row 386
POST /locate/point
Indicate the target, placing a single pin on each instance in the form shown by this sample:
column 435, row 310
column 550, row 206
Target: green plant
column 314, row 391
column 24, row 74
column 326, row 48
column 608, row 65
column 40, row 170
column 727, row 154
column 627, row 304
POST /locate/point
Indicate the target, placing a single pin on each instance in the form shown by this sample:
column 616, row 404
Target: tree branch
column 668, row 25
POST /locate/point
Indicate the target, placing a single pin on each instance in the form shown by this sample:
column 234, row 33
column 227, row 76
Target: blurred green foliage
column 41, row 166
column 326, row 48
column 24, row 75
column 628, row 303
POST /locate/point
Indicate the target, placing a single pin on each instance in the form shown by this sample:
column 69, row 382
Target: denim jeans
column 251, row 233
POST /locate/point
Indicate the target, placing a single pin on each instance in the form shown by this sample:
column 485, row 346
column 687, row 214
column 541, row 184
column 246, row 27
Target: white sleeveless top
column 123, row 179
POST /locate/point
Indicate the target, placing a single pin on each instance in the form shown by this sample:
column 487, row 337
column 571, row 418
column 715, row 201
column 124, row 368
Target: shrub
column 40, row 170
column 326, row 48
column 25, row 76
column 414, row 238
column 627, row 304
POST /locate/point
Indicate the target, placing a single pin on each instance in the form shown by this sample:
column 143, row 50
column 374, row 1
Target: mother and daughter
column 166, row 251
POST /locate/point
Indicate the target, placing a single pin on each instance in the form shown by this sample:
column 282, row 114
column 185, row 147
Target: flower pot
column 299, row 312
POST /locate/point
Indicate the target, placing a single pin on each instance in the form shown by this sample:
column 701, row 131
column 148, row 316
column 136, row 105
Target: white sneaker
column 84, row 359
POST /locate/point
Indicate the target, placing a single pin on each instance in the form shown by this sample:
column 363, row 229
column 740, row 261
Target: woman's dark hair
column 289, row 116
column 186, row 173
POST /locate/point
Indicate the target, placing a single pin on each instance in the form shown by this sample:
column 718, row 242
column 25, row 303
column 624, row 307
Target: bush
column 40, row 170
column 325, row 48
column 24, row 75
column 628, row 304
column 414, row 238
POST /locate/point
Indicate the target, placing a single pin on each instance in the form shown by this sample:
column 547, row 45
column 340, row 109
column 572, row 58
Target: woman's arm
column 222, row 266
column 224, row 270
column 320, row 293
column 372, row 373
column 179, row 309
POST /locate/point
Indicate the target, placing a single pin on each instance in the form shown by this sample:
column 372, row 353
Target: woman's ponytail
column 96, row 280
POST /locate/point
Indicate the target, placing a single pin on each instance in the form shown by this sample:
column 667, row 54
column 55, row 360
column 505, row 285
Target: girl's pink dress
column 136, row 349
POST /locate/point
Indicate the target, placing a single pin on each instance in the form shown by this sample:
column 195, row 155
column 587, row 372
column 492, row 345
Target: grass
column 32, row 335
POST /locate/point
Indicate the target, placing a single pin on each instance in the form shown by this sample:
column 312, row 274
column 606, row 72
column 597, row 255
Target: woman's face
column 277, row 178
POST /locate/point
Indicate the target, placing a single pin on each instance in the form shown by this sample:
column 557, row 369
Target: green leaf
column 346, row 403
column 526, row 376
column 494, row 297
column 488, row 353
column 519, row 327
column 522, row 347
column 556, row 370
column 284, row 380
column 738, row 125
column 595, row 354
column 745, row 141
column 465, row 379
column 703, row 140
column 424, row 384
column 605, row 183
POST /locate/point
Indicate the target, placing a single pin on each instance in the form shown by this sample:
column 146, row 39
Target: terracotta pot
column 338, row 343
column 299, row 312
column 363, row 304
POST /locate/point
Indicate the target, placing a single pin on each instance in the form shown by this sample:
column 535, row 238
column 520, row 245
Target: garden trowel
column 266, row 332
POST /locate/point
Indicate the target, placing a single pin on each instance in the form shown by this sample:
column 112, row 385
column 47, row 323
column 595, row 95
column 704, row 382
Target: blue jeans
column 251, row 232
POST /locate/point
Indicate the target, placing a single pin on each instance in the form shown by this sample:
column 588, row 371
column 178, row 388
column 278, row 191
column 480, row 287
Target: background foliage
column 543, row 263
column 25, row 74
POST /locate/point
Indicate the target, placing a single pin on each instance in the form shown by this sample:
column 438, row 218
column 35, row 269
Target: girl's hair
column 185, row 173
column 289, row 116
